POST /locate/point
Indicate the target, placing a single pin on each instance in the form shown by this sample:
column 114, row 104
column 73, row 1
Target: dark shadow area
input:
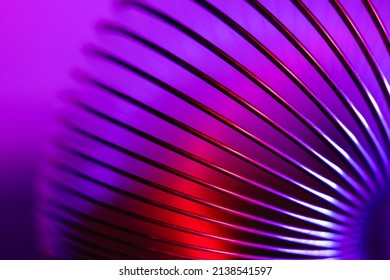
column 17, row 223
column 376, row 238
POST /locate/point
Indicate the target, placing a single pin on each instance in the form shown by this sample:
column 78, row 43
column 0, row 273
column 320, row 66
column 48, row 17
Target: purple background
column 40, row 42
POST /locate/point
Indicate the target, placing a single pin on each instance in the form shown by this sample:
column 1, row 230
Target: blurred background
column 40, row 43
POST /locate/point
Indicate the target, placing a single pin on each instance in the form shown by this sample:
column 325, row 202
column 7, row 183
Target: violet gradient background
column 40, row 42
